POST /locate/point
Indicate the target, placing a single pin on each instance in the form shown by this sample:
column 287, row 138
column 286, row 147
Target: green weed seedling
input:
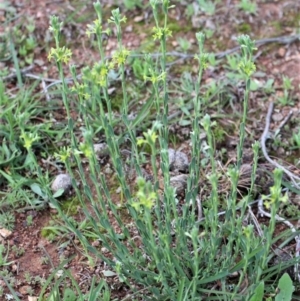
column 258, row 293
column 232, row 66
column 285, row 288
column 284, row 291
column 248, row 6
column 45, row 260
column 209, row 7
column 18, row 251
column 29, row 220
column 7, row 220
column 23, row 42
column 3, row 258
column 269, row 86
column 296, row 139
column 184, row 44
column 286, row 98
column 131, row 4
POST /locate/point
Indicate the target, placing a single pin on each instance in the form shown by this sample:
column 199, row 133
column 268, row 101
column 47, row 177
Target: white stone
column 5, row 233
column 101, row 149
column 178, row 160
column 62, row 181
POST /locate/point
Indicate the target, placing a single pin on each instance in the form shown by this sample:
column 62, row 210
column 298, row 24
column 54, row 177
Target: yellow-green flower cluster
column 160, row 32
column 150, row 138
column 28, row 139
column 96, row 28
column 64, row 154
column 119, row 58
column 275, row 195
column 99, row 74
column 275, row 191
column 154, row 78
column 60, row 54
column 202, row 59
column 247, row 67
column 248, row 231
column 116, row 17
column 80, row 89
column 145, row 195
column 86, row 149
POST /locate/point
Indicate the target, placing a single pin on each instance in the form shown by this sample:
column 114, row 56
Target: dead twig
column 14, row 73
column 295, row 179
column 198, row 200
column 255, row 222
column 284, row 122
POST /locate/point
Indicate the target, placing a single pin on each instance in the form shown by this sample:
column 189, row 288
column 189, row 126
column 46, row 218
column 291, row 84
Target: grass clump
column 168, row 250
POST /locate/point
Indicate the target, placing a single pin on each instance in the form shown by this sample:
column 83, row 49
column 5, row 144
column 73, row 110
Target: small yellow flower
column 99, row 74
column 28, row 139
column 145, row 195
column 154, row 78
column 61, row 54
column 247, row 67
column 80, row 89
column 64, row 154
column 95, row 28
column 160, row 32
column 86, row 149
column 119, row 57
column 202, row 59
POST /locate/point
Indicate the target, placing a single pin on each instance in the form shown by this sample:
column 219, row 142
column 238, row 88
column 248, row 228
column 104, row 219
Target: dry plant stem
column 255, row 222
column 45, row 90
column 278, row 218
column 200, row 215
column 47, row 254
column 14, row 73
column 263, row 140
column 38, row 77
column 284, row 122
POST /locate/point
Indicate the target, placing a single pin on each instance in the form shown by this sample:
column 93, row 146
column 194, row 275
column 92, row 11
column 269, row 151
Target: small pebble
column 277, row 117
column 5, row 233
column 101, row 149
column 14, row 268
column 104, row 250
column 178, row 161
column 179, row 182
column 108, row 170
column 281, row 52
column 62, row 181
column 96, row 243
